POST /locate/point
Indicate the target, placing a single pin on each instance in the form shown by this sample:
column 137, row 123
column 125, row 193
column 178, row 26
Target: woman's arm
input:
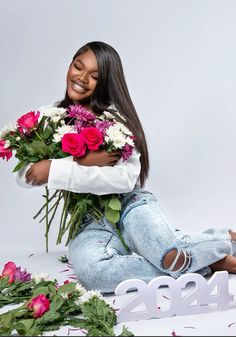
column 98, row 172
column 71, row 176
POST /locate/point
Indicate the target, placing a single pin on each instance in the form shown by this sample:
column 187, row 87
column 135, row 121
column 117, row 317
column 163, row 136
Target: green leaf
column 112, row 215
column 115, row 204
column 41, row 290
column 6, row 320
column 62, row 154
column 24, row 326
column 47, row 133
column 19, row 166
column 63, row 259
column 67, row 288
column 126, row 332
column 39, row 147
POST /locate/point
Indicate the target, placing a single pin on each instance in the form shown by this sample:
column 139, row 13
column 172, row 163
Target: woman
column 95, row 80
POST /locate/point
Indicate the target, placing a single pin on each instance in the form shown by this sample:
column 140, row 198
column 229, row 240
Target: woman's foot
column 228, row 263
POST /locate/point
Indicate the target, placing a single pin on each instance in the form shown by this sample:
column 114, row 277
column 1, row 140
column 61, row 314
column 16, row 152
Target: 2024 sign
column 202, row 294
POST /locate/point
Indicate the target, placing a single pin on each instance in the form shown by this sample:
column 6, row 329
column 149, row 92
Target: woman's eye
column 76, row 66
column 94, row 77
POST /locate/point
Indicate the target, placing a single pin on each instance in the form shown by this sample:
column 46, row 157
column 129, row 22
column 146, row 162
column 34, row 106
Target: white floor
column 214, row 323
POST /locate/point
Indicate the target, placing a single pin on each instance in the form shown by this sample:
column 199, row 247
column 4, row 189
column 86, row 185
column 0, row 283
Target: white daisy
column 55, row 113
column 7, row 128
column 88, row 296
column 38, row 277
column 61, row 131
column 80, row 289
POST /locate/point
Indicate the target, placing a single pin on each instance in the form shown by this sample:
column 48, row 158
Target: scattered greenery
column 63, row 259
column 46, row 306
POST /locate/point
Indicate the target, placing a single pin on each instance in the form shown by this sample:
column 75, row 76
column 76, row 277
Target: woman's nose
column 84, row 77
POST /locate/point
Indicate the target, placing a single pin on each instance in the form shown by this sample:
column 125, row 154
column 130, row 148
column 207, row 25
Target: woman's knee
column 92, row 274
column 176, row 260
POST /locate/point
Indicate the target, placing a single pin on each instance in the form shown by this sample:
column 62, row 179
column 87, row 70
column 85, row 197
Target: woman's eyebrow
column 77, row 60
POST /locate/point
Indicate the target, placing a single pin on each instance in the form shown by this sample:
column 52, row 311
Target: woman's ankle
column 233, row 235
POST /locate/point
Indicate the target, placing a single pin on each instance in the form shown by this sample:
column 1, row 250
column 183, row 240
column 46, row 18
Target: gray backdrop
column 179, row 58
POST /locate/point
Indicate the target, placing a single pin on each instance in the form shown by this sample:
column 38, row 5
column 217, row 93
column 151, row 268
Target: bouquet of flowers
column 44, row 305
column 57, row 133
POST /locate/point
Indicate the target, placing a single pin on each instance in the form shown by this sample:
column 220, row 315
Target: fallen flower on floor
column 47, row 306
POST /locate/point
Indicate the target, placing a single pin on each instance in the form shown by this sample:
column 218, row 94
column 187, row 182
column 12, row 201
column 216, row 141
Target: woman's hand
column 99, row 158
column 38, row 173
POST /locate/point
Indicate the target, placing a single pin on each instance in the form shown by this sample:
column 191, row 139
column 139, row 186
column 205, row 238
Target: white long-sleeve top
column 66, row 174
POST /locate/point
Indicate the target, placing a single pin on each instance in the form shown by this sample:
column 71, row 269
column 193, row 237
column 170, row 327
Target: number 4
column 222, row 297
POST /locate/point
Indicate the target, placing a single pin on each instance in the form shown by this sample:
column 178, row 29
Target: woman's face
column 82, row 77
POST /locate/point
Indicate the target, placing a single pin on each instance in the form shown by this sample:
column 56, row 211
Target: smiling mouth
column 78, row 87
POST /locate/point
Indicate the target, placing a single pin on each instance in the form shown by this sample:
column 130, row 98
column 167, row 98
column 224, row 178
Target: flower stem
column 55, row 209
column 39, row 212
column 64, row 215
column 53, row 206
column 47, row 225
column 39, row 136
column 121, row 237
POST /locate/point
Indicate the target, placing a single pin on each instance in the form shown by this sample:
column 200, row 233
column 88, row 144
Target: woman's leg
column 149, row 233
column 101, row 262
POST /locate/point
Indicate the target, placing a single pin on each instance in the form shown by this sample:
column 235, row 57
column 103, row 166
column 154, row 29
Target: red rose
column 9, row 270
column 28, row 121
column 5, row 152
column 40, row 304
column 73, row 143
column 92, row 137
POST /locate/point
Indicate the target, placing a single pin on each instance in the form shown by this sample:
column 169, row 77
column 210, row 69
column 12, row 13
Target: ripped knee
column 177, row 260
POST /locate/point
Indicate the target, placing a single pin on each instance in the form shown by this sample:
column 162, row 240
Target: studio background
column 179, row 57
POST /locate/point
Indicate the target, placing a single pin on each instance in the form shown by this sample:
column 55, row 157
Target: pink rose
column 92, row 137
column 5, row 152
column 73, row 144
column 40, row 304
column 9, row 270
column 28, row 122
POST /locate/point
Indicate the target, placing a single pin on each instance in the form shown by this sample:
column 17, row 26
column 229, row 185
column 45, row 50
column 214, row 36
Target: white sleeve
column 21, row 180
column 20, row 176
column 66, row 174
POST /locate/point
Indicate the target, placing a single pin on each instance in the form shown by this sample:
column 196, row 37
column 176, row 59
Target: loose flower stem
column 47, row 224
column 64, row 215
column 53, row 206
column 53, row 196
column 121, row 237
column 71, row 224
column 96, row 211
column 54, row 212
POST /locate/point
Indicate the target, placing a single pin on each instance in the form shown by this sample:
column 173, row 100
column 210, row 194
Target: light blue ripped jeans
column 101, row 262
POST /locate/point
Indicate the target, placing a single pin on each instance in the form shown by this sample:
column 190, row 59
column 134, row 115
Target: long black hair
column 111, row 89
